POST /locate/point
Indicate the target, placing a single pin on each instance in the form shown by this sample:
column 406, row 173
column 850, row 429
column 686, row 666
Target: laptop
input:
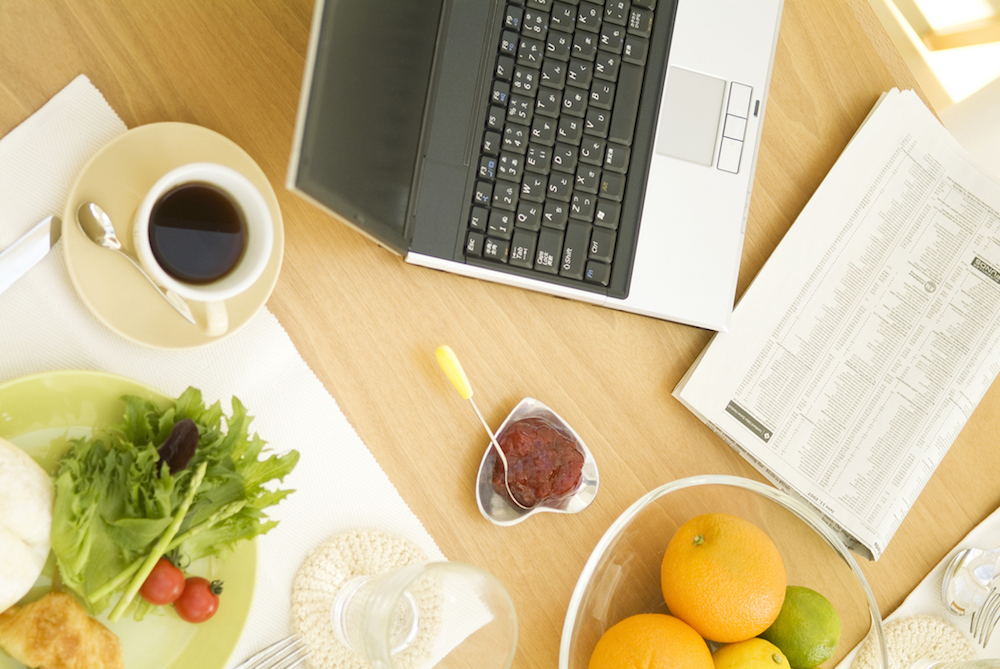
column 602, row 152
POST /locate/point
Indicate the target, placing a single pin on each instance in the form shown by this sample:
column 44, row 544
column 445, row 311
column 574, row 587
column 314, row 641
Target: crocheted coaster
column 320, row 578
column 916, row 638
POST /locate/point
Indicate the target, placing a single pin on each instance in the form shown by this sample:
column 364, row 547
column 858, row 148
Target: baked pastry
column 55, row 632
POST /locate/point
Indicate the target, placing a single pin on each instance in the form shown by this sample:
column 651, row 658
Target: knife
column 25, row 253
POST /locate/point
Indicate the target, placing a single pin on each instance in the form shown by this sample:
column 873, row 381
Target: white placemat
column 45, row 327
column 925, row 600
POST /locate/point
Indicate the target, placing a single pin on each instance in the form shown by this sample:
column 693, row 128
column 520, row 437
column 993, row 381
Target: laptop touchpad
column 689, row 117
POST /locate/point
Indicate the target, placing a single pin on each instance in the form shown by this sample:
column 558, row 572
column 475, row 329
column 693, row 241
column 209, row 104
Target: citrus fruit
column 807, row 629
column 651, row 641
column 750, row 654
column 723, row 576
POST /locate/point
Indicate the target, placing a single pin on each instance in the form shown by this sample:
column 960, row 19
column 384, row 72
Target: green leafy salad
column 173, row 482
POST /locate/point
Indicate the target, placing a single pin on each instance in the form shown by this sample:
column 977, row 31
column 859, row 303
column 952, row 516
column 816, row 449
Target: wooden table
column 368, row 324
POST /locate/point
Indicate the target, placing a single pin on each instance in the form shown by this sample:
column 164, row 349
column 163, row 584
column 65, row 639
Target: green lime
column 807, row 629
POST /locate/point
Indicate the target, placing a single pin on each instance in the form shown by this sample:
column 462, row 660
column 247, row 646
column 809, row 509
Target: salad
column 177, row 484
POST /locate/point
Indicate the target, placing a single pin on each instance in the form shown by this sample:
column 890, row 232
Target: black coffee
column 197, row 233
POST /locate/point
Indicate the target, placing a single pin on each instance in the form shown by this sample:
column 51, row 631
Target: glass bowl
column 622, row 576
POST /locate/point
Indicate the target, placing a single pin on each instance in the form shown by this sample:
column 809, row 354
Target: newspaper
column 862, row 347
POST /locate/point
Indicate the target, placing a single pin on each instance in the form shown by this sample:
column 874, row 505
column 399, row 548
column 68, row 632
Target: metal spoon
column 453, row 370
column 98, row 227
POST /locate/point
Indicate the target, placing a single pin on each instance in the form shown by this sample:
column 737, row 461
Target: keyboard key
column 474, row 244
column 626, row 104
column 510, row 166
column 616, row 12
column 508, row 43
column 530, row 52
column 564, row 158
column 533, row 187
column 560, row 186
column 555, row 215
column 585, row 45
column 520, row 109
column 581, row 207
column 607, row 213
column 515, row 137
column 602, row 94
column 640, row 22
column 588, row 179
column 597, row 272
column 647, row 4
column 501, row 224
column 529, row 216
column 548, row 250
column 535, row 24
column 612, row 186
column 500, row 93
column 505, row 68
column 483, row 194
column 512, row 19
column 597, row 122
column 549, row 101
column 488, row 168
column 563, row 17
column 553, row 73
column 543, row 131
column 616, row 158
column 580, row 73
column 574, row 253
column 495, row 117
column 496, row 249
column 538, row 158
column 635, row 50
column 570, row 130
column 558, row 46
column 522, row 249
column 524, row 81
column 612, row 38
column 602, row 244
column 574, row 101
column 477, row 220
column 592, row 150
column 606, row 66
column 544, row 5
column 504, row 196
column 589, row 17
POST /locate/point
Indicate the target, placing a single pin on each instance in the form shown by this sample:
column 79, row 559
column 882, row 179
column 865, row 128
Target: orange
column 723, row 576
column 651, row 641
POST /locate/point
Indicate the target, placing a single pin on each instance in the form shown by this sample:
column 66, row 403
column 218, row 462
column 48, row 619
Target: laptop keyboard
column 557, row 141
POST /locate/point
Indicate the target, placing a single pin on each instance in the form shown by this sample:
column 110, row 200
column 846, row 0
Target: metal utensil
column 453, row 370
column 283, row 654
column 98, row 227
column 22, row 255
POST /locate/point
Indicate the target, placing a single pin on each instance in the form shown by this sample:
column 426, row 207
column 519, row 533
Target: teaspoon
column 96, row 224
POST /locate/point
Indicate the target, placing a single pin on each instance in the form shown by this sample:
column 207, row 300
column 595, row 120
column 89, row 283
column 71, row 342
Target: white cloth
column 45, row 327
column 925, row 600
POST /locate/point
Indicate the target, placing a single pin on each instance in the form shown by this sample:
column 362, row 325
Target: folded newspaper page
column 864, row 344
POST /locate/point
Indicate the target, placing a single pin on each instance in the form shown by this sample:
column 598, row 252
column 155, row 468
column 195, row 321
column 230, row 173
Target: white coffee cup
column 241, row 270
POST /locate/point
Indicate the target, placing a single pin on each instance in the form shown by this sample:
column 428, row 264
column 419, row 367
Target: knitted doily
column 916, row 638
column 324, row 572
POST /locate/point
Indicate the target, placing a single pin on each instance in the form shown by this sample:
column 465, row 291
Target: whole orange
column 723, row 576
column 651, row 641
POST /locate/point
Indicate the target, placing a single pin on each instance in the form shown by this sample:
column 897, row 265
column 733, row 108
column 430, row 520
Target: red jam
column 545, row 462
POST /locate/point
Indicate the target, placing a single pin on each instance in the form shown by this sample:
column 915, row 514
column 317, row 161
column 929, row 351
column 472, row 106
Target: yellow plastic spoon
column 453, row 370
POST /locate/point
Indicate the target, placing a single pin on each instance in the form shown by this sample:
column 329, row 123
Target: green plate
column 38, row 413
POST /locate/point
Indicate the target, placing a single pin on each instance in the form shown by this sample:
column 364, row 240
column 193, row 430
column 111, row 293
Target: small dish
column 497, row 509
column 116, row 178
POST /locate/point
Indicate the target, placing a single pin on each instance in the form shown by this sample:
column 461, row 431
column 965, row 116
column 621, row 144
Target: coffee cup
column 204, row 231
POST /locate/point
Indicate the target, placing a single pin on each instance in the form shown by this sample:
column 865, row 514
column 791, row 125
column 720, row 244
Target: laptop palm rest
column 689, row 119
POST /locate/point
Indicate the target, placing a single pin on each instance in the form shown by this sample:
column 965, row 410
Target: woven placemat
column 916, row 638
column 321, row 576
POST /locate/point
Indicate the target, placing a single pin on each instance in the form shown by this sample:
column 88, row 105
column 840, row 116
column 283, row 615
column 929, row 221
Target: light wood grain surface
column 368, row 324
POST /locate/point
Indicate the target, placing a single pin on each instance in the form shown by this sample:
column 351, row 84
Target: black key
column 647, row 4
column 602, row 244
column 483, row 194
column 580, row 73
column 564, row 157
column 504, row 196
column 543, row 131
column 640, row 22
column 501, row 224
column 597, row 122
column 525, row 80
column 612, row 38
column 558, row 46
column 574, row 101
column 530, row 52
column 592, row 150
column 521, row 109
column 515, row 137
column 574, row 253
column 563, row 17
column 635, row 50
column 553, row 73
column 529, row 216
column 588, row 178
column 496, row 249
column 602, row 94
column 560, row 186
column 589, row 17
column 500, row 93
column 544, row 5
column 535, row 24
column 585, row 45
column 477, row 220
column 616, row 158
column 508, row 43
column 555, row 215
column 505, row 68
column 512, row 19
column 612, row 186
column 606, row 66
column 548, row 250
column 522, row 249
column 582, row 206
column 607, row 213
column 491, row 143
column 488, row 168
column 538, row 158
column 533, row 187
column 549, row 101
column 616, row 12
column 495, row 117
column 570, row 130
column 474, row 244
column 510, row 166
column 597, row 272
column 626, row 104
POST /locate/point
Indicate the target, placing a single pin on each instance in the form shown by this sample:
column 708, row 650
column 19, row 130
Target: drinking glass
column 965, row 664
column 430, row 614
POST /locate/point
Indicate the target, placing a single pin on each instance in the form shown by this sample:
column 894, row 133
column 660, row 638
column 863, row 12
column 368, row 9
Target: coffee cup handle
column 216, row 319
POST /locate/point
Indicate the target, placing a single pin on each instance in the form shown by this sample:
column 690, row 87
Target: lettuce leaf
column 115, row 497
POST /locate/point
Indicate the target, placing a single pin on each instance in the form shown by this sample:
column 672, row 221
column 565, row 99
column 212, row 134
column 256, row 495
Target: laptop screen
column 362, row 124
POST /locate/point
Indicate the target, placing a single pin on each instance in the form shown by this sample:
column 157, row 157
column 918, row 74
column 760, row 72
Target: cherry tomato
column 164, row 584
column 199, row 601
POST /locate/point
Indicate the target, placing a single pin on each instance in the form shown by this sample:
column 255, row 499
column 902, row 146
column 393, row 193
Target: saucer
column 116, row 178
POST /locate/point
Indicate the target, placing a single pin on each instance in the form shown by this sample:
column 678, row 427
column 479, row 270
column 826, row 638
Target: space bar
column 626, row 103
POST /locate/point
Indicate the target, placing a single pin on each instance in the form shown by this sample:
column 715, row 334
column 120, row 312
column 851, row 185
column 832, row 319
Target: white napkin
column 45, row 327
column 925, row 600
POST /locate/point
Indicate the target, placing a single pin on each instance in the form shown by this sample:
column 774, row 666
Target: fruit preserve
column 545, row 462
